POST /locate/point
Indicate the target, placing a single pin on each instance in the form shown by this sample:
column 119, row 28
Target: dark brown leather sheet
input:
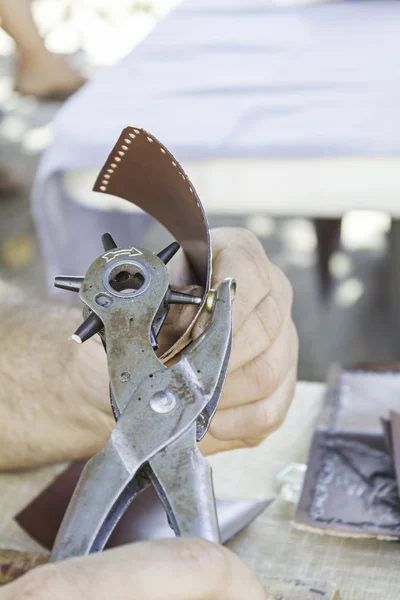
column 350, row 488
column 42, row 518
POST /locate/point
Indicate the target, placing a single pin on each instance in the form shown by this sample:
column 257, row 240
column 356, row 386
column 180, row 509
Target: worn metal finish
column 72, row 284
column 183, row 480
column 161, row 412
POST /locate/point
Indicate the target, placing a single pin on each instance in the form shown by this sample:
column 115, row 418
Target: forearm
column 43, row 413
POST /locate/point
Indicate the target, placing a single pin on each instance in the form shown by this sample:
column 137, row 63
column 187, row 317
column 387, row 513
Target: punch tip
column 108, row 242
column 168, row 252
column 75, row 338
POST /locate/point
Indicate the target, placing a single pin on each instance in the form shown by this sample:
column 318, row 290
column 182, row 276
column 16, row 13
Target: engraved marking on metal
column 112, row 254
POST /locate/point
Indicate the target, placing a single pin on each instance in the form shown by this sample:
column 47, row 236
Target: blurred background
column 340, row 255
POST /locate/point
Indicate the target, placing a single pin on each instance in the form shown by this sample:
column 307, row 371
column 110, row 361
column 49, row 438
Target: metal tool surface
column 142, row 171
column 161, row 412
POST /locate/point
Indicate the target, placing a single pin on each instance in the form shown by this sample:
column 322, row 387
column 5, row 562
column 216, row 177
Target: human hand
column 63, row 388
column 263, row 366
column 262, row 370
column 176, row 569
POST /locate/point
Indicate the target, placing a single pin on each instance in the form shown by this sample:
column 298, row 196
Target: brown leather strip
column 42, row 517
column 143, row 171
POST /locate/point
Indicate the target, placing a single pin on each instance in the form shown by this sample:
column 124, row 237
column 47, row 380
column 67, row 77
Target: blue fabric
column 243, row 79
column 238, row 78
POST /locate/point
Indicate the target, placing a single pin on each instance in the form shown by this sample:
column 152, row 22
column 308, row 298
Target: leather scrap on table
column 143, row 520
column 41, row 519
column 14, row 564
column 350, row 488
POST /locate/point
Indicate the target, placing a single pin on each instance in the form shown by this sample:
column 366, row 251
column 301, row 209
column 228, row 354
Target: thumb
column 176, row 569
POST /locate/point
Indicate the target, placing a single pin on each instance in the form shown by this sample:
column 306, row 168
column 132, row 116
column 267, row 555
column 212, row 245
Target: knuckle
column 248, row 237
column 270, row 418
column 231, row 236
column 253, row 442
column 245, row 241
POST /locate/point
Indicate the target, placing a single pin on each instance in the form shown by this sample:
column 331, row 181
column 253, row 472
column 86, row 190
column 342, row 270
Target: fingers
column 239, row 254
column 263, row 364
column 178, row 569
column 264, row 324
column 252, row 422
column 260, row 377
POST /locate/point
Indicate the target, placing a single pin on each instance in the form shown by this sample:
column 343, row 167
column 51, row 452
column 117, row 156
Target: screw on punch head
column 71, row 283
column 168, row 252
column 108, row 242
column 90, row 326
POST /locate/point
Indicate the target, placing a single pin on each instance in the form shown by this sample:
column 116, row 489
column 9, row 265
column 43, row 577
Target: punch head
column 90, row 326
column 71, row 283
column 181, row 298
column 108, row 242
column 168, row 252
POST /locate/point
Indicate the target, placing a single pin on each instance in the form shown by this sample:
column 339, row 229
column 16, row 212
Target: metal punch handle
column 147, row 432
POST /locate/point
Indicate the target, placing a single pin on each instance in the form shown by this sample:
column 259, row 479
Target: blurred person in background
column 38, row 71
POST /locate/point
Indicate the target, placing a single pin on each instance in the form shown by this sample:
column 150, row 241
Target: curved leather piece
column 142, row 171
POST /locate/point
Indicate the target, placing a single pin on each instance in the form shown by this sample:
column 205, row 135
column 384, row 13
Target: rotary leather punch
column 161, row 411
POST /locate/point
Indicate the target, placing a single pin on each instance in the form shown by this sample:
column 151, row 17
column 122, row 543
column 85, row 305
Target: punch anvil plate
column 143, row 172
